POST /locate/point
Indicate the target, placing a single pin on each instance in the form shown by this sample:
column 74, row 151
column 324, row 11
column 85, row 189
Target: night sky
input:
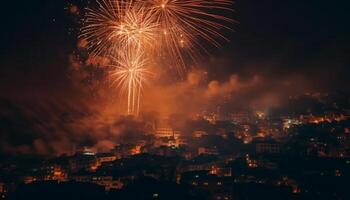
column 276, row 38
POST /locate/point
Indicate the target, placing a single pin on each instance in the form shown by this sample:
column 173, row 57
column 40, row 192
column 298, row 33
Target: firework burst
column 185, row 24
column 135, row 31
column 130, row 72
column 100, row 26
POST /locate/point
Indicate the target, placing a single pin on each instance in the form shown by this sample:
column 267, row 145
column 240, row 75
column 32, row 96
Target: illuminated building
column 221, row 171
column 187, row 155
column 106, row 157
column 163, row 128
column 29, row 179
column 251, row 162
column 49, row 172
column 208, row 151
column 164, row 132
column 241, row 117
column 261, row 115
column 86, row 162
column 288, row 123
column 126, row 150
column 107, row 182
column 217, row 187
column 86, row 151
column 199, row 134
column 166, row 135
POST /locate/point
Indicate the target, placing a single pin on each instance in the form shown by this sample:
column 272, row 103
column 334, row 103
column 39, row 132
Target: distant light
column 155, row 195
column 89, row 153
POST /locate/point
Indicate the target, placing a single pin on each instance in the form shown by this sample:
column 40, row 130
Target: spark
column 130, row 72
column 122, row 31
column 176, row 28
column 100, row 23
column 172, row 32
column 187, row 23
column 137, row 28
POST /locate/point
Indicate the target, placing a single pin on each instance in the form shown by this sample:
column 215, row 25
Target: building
column 199, row 134
column 107, row 182
column 164, row 132
column 53, row 173
column 268, row 147
column 221, row 171
column 83, row 162
column 105, row 157
column 241, row 117
column 217, row 187
column 126, row 150
column 208, row 151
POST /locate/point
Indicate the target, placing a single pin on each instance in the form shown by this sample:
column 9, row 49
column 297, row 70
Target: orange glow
column 136, row 150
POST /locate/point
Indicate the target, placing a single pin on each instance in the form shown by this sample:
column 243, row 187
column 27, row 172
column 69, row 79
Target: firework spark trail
column 99, row 26
column 133, row 31
column 135, row 34
column 184, row 23
column 120, row 30
column 179, row 24
column 137, row 28
column 129, row 72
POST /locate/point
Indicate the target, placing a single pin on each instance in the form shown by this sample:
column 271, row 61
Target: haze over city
column 206, row 99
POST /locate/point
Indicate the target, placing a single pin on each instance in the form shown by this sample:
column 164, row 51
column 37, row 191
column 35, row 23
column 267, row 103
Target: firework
column 130, row 72
column 135, row 31
column 122, row 31
column 185, row 24
column 117, row 24
column 99, row 26
column 177, row 28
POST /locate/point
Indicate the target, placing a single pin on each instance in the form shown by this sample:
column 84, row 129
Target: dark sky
column 274, row 37
column 309, row 38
